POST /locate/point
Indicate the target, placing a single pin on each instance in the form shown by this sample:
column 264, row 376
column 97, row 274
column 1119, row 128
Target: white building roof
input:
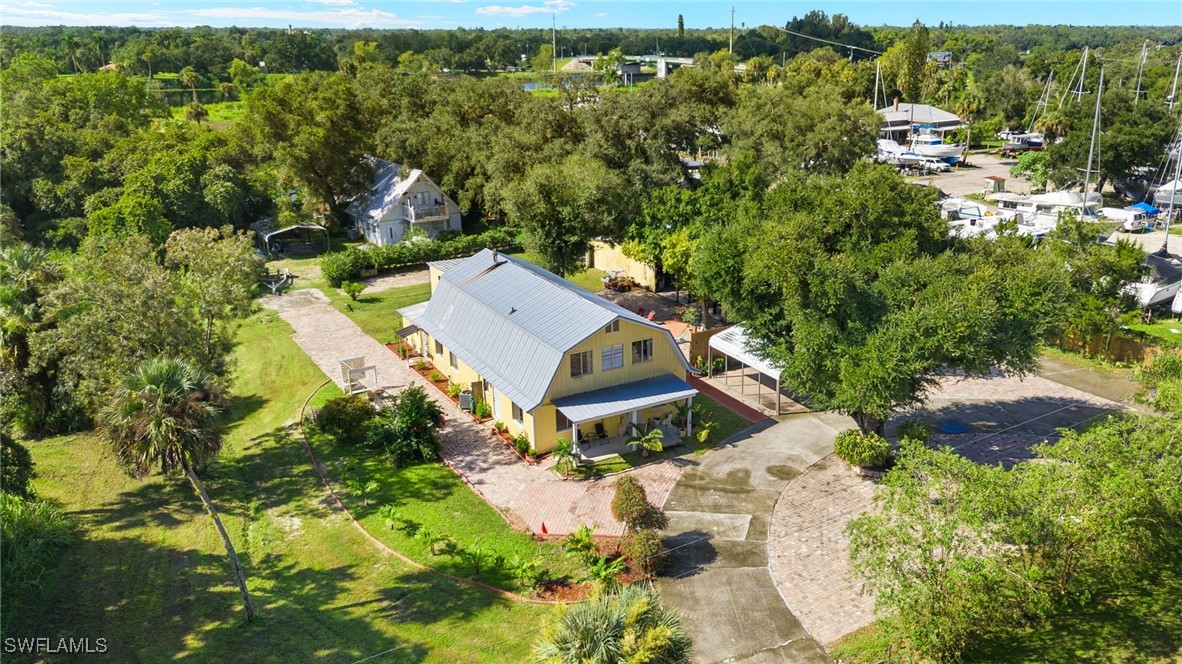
column 733, row 342
column 903, row 116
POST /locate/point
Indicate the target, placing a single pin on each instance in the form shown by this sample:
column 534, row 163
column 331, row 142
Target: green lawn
column 222, row 112
column 149, row 573
column 1143, row 623
column 377, row 313
column 1162, row 330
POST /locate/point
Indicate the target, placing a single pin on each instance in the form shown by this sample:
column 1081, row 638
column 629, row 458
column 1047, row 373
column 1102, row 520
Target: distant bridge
column 664, row 63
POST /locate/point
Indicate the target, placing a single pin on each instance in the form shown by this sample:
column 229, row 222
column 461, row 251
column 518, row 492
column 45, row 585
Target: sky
column 571, row 13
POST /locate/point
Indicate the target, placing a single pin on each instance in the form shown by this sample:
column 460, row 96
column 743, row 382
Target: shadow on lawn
column 425, row 598
column 155, row 603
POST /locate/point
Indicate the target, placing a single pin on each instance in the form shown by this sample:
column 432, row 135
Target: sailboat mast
column 1140, row 68
column 1174, row 92
column 1092, row 148
column 877, row 77
column 1079, row 93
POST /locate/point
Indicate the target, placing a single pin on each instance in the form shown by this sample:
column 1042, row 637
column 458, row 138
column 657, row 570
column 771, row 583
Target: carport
column 732, row 344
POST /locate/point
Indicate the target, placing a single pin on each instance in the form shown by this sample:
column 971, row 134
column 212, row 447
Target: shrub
column 435, row 376
column 352, row 289
column 521, row 443
column 691, row 315
column 409, row 431
column 16, row 468
column 420, row 364
column 630, row 627
column 346, row 265
column 31, row 533
column 454, row 389
column 500, row 426
column 630, row 505
column 643, row 549
column 345, row 418
column 914, row 430
column 865, row 450
column 481, row 409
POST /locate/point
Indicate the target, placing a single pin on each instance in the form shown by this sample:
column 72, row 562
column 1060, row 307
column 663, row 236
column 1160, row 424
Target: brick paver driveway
column 529, row 495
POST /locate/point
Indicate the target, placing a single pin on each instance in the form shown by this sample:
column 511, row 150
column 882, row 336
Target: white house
column 401, row 199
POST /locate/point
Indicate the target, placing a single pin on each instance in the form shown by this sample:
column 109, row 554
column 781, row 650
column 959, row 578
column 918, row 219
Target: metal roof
column 445, row 265
column 388, row 189
column 513, row 322
column 626, row 398
column 733, row 343
column 413, row 311
column 902, row 116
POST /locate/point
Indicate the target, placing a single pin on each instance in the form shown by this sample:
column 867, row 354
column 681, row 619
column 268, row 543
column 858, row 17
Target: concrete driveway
column 719, row 510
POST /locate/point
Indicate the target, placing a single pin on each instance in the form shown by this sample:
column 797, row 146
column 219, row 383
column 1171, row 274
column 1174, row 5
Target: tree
column 191, row 78
column 163, row 418
column 409, row 431
column 647, row 437
column 1099, row 274
column 543, row 62
column 218, row 271
column 225, row 89
column 316, row 130
column 196, row 112
column 26, row 386
column 243, row 75
column 16, row 468
column 854, row 288
column 115, row 308
column 561, row 208
column 630, row 627
column 915, row 57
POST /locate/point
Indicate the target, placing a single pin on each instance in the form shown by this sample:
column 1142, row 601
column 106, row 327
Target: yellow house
column 552, row 360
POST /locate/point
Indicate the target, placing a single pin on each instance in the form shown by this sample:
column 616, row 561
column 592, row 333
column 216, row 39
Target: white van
column 1131, row 219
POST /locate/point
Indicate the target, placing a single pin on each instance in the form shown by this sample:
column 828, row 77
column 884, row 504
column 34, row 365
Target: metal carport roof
column 733, row 343
column 626, row 398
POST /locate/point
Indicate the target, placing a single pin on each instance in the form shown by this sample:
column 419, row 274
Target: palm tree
column 631, row 626
column 190, row 78
column 196, row 112
column 226, row 89
column 163, row 417
column 648, row 437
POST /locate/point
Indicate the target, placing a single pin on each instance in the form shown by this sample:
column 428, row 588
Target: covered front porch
column 603, row 420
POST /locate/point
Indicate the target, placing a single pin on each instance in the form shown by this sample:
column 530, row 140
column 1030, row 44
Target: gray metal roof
column 413, row 311
column 608, row 401
column 513, row 322
column 445, row 265
column 905, row 115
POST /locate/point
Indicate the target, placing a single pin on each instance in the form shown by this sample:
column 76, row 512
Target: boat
column 890, row 152
column 1163, row 282
column 1016, row 144
column 927, row 142
column 1168, row 194
column 1042, row 210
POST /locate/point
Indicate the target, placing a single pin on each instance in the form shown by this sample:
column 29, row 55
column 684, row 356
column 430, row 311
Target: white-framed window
column 562, row 422
column 518, row 415
column 451, row 360
column 438, row 348
column 642, row 351
column 613, row 357
column 613, row 326
column 582, row 363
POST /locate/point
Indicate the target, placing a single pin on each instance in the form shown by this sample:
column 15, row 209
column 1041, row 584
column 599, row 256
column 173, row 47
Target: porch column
column 574, row 438
column 634, row 418
column 709, row 361
column 689, row 416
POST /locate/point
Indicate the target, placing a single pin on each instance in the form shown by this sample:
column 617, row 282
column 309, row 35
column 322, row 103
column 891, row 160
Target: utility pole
column 554, row 41
column 731, row 49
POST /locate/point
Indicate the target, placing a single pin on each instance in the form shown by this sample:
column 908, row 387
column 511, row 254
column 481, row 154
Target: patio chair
column 600, row 432
column 651, row 315
column 641, row 311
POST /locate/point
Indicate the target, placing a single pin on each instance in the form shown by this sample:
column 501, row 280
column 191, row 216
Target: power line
column 827, row 41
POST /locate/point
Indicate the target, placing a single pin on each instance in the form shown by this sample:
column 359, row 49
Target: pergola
column 269, row 228
column 732, row 343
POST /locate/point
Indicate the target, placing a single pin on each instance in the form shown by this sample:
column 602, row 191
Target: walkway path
column 720, row 512
column 530, row 495
column 396, row 280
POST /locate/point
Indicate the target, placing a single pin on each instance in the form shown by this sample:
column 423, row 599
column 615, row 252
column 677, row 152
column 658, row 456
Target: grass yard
column 431, row 499
column 377, row 313
column 149, row 573
column 1162, row 330
column 1143, row 623
column 728, row 425
column 225, row 112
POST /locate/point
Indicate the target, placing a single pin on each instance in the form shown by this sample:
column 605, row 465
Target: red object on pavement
column 442, row 422
column 544, row 531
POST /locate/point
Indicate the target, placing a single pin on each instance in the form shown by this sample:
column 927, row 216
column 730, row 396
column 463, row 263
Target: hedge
column 347, row 265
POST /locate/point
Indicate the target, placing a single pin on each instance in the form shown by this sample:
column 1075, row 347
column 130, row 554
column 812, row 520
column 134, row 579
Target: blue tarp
column 1146, row 208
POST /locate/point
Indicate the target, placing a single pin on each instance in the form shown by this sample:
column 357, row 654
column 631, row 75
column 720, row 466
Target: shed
column 270, row 232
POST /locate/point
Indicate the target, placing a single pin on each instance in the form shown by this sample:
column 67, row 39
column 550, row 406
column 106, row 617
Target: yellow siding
column 539, row 424
column 434, row 275
column 666, row 360
column 611, row 257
